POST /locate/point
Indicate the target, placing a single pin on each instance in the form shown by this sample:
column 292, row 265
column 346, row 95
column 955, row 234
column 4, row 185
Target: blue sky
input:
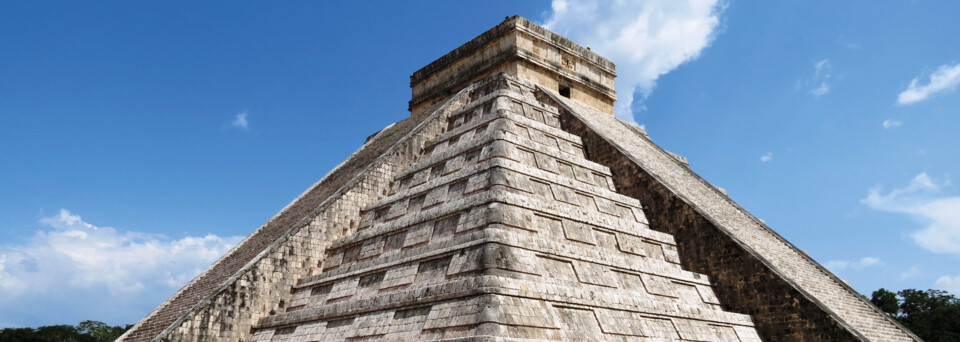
column 138, row 142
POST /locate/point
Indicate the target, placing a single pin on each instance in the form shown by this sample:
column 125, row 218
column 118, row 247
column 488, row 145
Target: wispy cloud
column 923, row 200
column 766, row 157
column 821, row 69
column 240, row 121
column 84, row 269
column 822, row 72
column 646, row 38
column 911, row 272
column 891, row 123
column 837, row 265
column 823, row 89
column 946, row 78
column 848, row 44
column 949, row 284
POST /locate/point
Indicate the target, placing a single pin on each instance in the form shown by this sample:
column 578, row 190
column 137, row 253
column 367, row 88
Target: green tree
column 19, row 335
column 933, row 315
column 86, row 331
column 99, row 331
column 63, row 333
column 886, row 301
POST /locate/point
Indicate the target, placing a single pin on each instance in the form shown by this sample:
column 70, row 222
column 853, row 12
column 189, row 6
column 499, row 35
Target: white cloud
column 922, row 200
column 766, row 157
column 822, row 72
column 821, row 69
column 848, row 44
column 823, row 89
column 837, row 265
column 866, row 262
column 891, row 123
column 946, row 78
column 949, row 284
column 646, row 39
column 83, row 270
column 240, row 121
column 913, row 271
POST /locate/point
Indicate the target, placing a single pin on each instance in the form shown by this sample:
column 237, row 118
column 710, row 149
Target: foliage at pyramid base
column 502, row 230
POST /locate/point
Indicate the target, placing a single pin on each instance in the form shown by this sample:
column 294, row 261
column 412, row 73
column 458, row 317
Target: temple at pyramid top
column 512, row 206
column 524, row 49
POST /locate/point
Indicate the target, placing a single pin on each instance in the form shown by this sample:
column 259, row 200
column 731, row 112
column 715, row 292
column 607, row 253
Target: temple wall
column 519, row 47
column 548, row 79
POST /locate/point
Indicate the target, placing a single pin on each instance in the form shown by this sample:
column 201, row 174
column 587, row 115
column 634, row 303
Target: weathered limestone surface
column 502, row 210
column 518, row 47
column 756, row 271
column 502, row 230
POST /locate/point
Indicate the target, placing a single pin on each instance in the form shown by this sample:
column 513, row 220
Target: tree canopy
column 933, row 315
column 86, row 331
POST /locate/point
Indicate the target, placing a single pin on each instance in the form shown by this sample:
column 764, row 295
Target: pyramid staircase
column 503, row 231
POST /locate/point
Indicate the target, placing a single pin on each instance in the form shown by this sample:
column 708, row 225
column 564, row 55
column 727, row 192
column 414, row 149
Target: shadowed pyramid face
column 502, row 228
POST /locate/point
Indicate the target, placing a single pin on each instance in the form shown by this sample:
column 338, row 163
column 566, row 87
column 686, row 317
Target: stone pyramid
column 512, row 206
